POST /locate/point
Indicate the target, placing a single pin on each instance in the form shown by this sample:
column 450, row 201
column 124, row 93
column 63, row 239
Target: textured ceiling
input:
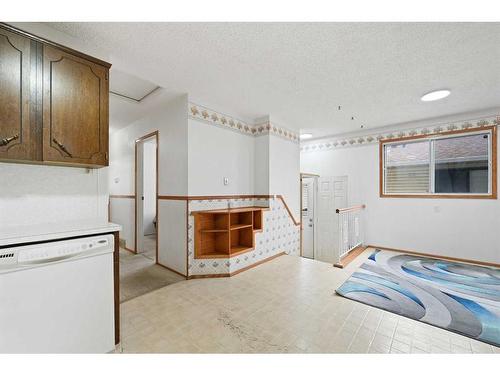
column 299, row 73
column 128, row 85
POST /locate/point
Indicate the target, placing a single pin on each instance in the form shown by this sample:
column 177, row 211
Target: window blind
column 407, row 179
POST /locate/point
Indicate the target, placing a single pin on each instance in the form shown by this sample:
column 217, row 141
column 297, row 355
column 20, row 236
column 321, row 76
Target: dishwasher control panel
column 54, row 251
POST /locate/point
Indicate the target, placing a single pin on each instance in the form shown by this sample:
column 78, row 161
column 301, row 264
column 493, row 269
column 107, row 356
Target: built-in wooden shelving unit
column 226, row 233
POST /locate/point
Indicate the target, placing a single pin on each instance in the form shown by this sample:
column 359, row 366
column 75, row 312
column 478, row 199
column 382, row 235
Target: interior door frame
column 154, row 134
column 304, row 175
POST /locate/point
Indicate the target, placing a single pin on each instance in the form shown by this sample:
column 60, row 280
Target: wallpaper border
column 211, row 117
column 374, row 138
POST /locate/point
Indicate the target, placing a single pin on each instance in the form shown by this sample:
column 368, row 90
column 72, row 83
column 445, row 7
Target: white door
column 332, row 194
column 308, row 222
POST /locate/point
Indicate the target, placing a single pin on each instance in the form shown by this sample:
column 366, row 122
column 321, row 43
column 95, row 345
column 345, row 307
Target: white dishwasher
column 57, row 297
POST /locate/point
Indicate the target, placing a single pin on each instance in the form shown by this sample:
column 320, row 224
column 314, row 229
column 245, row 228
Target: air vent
column 7, row 258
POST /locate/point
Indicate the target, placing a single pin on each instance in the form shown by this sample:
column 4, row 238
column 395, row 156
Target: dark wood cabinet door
column 75, row 109
column 15, row 91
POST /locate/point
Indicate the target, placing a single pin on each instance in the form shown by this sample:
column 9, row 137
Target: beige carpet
column 140, row 275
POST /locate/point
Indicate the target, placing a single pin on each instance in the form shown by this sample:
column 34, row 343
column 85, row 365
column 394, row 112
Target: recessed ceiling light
column 306, row 136
column 435, row 95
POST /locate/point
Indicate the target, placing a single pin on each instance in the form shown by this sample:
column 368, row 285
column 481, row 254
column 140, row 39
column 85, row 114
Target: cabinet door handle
column 6, row 141
column 62, row 147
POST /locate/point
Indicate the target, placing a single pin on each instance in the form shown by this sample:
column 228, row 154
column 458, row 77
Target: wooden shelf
column 226, row 233
column 211, row 255
column 240, row 226
column 238, row 250
column 257, row 220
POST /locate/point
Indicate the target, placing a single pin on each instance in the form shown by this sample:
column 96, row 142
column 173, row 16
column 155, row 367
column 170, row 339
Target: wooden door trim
column 154, row 134
column 116, row 282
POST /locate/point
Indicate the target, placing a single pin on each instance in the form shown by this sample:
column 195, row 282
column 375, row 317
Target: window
column 460, row 164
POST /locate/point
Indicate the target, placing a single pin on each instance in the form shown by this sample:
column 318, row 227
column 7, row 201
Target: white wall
column 464, row 228
column 172, row 239
column 123, row 212
column 36, row 194
column 261, row 165
column 284, row 172
column 215, row 153
column 170, row 119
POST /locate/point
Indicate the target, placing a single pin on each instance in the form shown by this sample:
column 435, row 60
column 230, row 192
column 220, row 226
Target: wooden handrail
column 352, row 208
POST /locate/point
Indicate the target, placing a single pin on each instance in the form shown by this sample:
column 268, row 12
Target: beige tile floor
column 287, row 305
column 140, row 275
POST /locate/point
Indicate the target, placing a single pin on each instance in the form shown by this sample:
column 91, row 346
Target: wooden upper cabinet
column 15, row 90
column 75, row 109
column 54, row 102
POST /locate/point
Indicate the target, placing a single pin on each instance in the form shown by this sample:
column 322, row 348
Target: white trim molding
column 366, row 139
column 209, row 116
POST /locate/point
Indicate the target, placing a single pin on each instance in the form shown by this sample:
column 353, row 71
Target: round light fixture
column 435, row 95
column 306, row 136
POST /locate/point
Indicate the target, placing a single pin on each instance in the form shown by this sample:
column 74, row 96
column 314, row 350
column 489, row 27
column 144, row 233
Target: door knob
column 6, row 141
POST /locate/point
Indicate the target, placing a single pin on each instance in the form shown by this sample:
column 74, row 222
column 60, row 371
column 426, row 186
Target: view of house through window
column 457, row 164
column 407, row 167
column 461, row 164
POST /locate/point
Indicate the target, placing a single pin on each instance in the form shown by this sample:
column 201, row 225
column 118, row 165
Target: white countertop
column 54, row 231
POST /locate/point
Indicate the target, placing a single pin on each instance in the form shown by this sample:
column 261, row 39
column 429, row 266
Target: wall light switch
column 437, row 209
column 226, row 181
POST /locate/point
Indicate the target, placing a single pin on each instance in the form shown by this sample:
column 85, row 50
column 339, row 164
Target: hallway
column 140, row 275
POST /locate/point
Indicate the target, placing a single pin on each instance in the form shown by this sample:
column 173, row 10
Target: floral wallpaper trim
column 334, row 143
column 212, row 117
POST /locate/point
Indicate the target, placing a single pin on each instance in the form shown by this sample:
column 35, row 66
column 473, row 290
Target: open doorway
column 140, row 272
column 146, row 197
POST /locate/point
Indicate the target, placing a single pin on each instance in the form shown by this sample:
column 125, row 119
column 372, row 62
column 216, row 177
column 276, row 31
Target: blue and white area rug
column 459, row 297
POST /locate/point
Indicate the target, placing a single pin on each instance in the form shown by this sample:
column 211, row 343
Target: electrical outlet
column 226, row 181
